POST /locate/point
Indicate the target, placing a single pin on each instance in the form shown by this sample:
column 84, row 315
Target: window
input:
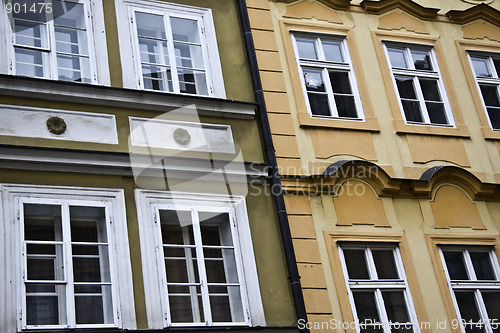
column 473, row 276
column 418, row 83
column 54, row 39
column 72, row 257
column 377, row 287
column 203, row 259
column 327, row 77
column 487, row 73
column 174, row 48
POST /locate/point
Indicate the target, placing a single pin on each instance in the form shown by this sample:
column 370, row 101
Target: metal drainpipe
column 276, row 189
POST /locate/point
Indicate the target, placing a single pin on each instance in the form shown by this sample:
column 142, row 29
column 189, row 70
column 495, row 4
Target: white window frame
column 416, row 74
column 129, row 48
column 377, row 285
column 157, row 307
column 13, row 197
column 324, row 65
column 490, row 81
column 96, row 39
column 473, row 284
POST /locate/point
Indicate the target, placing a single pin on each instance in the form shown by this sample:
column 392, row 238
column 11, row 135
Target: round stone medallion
column 182, row 136
column 56, row 125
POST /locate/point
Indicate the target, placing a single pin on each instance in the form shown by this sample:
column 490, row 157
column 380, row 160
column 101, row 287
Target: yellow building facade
column 385, row 121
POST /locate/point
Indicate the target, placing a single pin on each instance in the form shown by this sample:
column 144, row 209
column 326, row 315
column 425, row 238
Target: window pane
column 404, row 328
column 192, row 82
column 496, row 63
column 68, row 14
column 47, row 306
column 340, row 82
column 73, row 68
column 150, row 25
column 482, row 265
column 397, row 57
column 176, row 227
column 153, row 51
column 44, row 262
column 356, row 264
column 71, row 41
column 30, row 62
column 189, row 56
column 39, row 16
column 490, row 95
column 469, row 312
column 155, row 76
column 421, row 59
column 456, row 265
column 494, row 114
column 395, row 306
column 225, row 302
column 405, row 87
column 42, row 222
column 91, row 267
column 384, row 263
column 412, row 111
column 436, row 112
column 346, row 106
column 492, row 302
column 215, row 229
column 333, row 51
column 319, row 104
column 430, row 90
column 481, row 67
column 187, row 307
column 365, row 306
column 313, row 80
column 93, row 304
column 30, row 34
column 88, row 224
column 185, row 30
column 306, row 48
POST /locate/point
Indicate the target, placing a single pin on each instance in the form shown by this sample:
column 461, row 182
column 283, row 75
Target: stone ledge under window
column 458, row 131
column 370, row 124
column 61, row 91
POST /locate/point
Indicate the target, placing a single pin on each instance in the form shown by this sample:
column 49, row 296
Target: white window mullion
column 379, row 301
column 483, row 314
column 191, row 277
column 171, row 54
column 421, row 100
column 201, row 268
column 469, row 266
column 108, row 211
column 329, row 90
column 370, row 264
column 52, row 54
column 68, row 265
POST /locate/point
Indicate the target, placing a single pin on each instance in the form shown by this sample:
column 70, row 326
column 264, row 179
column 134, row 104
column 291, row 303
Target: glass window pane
column 412, row 111
column 42, row 222
column 45, row 307
column 91, row 267
column 385, row 264
column 73, row 68
column 31, row 15
column 467, row 305
column 306, row 48
column 186, row 308
column 88, row 224
column 71, row 41
column 430, row 90
column 421, row 60
column 226, row 305
column 366, row 307
column 189, row 56
column 30, row 34
column 319, row 104
column 340, row 82
column 176, row 227
column 30, row 62
column 456, row 265
column 333, row 51
column 405, row 86
column 481, row 67
column 494, row 114
column 482, row 265
column 346, row 106
column 397, row 57
column 496, row 63
column 150, row 25
column 185, row 30
column 69, row 14
column 93, row 304
column 215, row 229
column 313, row 80
column 492, row 302
column 490, row 95
column 356, row 264
column 44, row 262
column 155, row 76
column 395, row 306
column 192, row 82
column 404, row 328
column 436, row 112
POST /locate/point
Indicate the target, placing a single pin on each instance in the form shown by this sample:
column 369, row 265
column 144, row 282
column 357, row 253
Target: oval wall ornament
column 181, row 136
column 56, row 125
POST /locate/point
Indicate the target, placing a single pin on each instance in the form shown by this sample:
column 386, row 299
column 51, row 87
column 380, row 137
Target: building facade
column 134, row 189
column 384, row 116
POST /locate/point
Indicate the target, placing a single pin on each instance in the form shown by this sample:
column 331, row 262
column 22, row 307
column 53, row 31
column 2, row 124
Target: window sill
column 370, row 124
column 459, row 131
column 89, row 94
column 490, row 134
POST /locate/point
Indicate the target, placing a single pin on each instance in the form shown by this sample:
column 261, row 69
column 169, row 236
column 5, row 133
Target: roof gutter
column 265, row 130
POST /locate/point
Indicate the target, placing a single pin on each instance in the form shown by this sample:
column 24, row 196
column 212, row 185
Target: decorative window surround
column 141, row 70
column 377, row 287
column 49, row 53
column 327, row 77
column 152, row 207
column 112, row 203
column 473, row 277
column 26, row 87
column 81, row 126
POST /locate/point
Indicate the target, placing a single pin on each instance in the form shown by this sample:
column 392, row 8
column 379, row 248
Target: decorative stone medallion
column 56, row 125
column 181, row 136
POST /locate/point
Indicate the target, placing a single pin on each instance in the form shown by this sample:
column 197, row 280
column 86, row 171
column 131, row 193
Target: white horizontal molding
column 60, row 91
column 160, row 133
column 31, row 122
